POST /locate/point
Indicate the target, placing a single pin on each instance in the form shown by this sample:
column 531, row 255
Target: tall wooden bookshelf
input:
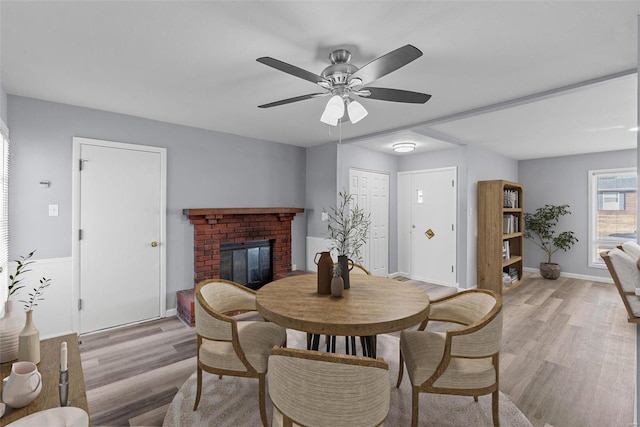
column 500, row 237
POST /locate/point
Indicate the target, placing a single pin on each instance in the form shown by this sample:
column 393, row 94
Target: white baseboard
column 575, row 276
column 171, row 312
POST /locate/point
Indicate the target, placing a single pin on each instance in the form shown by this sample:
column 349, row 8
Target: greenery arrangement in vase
column 12, row 322
column 540, row 228
column 348, row 228
column 27, row 341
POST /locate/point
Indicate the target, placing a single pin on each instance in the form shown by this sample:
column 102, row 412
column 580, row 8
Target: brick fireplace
column 215, row 226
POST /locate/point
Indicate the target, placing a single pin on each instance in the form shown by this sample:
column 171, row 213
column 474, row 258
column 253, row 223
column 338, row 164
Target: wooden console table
column 49, row 368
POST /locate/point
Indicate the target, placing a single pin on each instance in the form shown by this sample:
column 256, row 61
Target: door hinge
column 81, row 164
column 79, row 304
column 452, row 229
column 452, row 268
column 453, row 183
column 80, row 234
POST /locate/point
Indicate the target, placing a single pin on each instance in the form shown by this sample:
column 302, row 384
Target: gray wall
column 564, row 180
column 321, row 185
column 204, row 170
column 352, row 156
column 3, row 104
column 483, row 165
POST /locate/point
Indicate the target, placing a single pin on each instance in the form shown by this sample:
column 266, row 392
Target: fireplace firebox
column 247, row 263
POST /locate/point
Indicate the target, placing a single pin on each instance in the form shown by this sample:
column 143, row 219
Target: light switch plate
column 53, row 210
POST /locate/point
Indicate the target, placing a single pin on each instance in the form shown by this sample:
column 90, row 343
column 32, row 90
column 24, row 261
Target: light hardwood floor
column 567, row 359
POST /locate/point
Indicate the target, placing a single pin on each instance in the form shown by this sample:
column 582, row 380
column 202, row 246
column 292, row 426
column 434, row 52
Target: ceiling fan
column 342, row 80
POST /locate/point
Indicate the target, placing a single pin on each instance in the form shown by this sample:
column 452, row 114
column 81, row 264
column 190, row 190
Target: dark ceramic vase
column 325, row 272
column 344, row 265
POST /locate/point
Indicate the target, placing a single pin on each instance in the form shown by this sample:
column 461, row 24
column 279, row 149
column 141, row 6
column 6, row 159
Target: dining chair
column 622, row 263
column 359, row 269
column 464, row 360
column 226, row 346
column 315, row 389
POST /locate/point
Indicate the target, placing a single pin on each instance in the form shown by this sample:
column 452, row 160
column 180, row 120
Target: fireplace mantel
column 215, row 226
column 241, row 211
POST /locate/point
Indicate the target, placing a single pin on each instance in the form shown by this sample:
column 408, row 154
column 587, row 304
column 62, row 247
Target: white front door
column 433, row 226
column 121, row 233
column 371, row 192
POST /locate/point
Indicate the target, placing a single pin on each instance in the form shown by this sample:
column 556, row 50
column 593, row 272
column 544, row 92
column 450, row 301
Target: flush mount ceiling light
column 404, row 147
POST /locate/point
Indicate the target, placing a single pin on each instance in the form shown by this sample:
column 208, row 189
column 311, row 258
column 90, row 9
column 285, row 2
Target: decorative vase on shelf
column 325, row 272
column 29, row 341
column 344, row 265
column 10, row 326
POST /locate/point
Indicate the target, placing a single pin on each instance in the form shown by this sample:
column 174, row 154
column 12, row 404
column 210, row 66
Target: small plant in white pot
column 540, row 228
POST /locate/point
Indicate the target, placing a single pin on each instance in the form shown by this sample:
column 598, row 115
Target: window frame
column 594, row 260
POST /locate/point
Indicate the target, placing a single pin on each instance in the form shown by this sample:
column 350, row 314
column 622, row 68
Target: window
column 612, row 210
column 4, row 215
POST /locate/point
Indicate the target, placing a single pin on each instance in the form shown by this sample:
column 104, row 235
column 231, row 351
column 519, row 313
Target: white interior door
column 121, row 222
column 371, row 191
column 433, row 226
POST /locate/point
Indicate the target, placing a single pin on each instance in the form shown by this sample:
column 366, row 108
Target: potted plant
column 348, row 229
column 540, row 228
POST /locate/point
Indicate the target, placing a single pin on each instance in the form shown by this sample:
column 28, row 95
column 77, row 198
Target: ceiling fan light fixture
column 356, row 111
column 333, row 111
column 328, row 119
column 404, row 147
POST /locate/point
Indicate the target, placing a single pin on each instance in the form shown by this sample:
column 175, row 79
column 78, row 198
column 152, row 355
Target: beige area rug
column 233, row 401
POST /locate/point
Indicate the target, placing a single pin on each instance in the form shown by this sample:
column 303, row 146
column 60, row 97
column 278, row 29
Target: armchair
column 463, row 360
column 226, row 346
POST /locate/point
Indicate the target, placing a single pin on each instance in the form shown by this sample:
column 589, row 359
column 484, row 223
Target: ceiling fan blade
column 386, row 64
column 290, row 69
column 395, row 95
column 290, row 100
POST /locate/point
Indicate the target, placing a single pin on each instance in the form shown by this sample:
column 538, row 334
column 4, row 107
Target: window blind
column 4, row 216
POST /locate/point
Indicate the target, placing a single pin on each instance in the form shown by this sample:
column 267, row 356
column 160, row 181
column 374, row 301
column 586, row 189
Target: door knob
column 154, row 244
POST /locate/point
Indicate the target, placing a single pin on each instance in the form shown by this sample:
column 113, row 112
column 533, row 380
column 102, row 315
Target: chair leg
column 495, row 399
column 261, row 398
column 400, row 370
column 475, row 398
column 414, row 406
column 199, row 388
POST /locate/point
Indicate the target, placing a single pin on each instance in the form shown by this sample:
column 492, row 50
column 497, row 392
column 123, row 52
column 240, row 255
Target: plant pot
column 550, row 270
column 29, row 341
column 344, row 265
column 337, row 286
column 10, row 326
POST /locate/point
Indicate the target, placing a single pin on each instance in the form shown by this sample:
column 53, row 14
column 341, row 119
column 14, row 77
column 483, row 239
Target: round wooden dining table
column 372, row 306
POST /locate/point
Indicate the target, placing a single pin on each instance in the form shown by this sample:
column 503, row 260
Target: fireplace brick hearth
column 214, row 226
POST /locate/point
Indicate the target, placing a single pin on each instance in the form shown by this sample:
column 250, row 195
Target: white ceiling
column 194, row 63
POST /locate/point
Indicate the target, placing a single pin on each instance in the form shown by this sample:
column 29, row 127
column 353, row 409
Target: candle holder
column 63, row 388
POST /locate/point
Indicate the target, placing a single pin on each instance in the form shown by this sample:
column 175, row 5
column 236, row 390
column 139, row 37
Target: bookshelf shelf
column 500, row 237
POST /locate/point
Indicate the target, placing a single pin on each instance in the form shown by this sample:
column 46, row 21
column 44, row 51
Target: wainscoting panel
column 52, row 316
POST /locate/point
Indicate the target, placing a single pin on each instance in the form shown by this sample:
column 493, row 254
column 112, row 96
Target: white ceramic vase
column 29, row 341
column 10, row 326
